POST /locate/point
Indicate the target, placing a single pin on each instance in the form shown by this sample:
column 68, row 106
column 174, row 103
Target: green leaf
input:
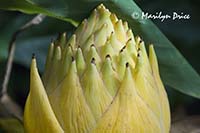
column 11, row 125
column 176, row 72
column 30, row 7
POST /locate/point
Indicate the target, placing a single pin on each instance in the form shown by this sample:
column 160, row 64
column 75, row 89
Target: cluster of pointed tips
column 99, row 81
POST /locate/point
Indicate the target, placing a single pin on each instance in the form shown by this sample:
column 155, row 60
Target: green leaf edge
column 30, row 8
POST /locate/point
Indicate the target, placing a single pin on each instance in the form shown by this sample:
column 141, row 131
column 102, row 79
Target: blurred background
column 184, row 34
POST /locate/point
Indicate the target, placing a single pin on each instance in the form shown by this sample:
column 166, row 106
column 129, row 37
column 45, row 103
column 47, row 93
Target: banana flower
column 99, row 81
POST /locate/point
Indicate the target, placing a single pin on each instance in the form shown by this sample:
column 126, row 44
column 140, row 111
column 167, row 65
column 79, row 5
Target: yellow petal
column 104, row 18
column 47, row 69
column 72, row 42
column 80, row 62
column 146, row 85
column 115, row 43
column 96, row 94
column 120, row 32
column 39, row 116
column 109, row 76
column 54, row 77
column 128, row 113
column 161, row 90
column 93, row 53
column 113, row 18
column 100, row 36
column 70, row 105
column 131, row 48
column 86, row 28
column 107, row 50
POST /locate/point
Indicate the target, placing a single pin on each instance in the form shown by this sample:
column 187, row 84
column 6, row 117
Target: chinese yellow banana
column 99, row 81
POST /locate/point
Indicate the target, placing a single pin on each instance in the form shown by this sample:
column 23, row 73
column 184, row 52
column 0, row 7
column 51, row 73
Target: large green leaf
column 30, row 7
column 175, row 70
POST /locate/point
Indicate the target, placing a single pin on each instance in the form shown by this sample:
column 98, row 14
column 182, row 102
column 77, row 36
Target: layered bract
column 100, row 80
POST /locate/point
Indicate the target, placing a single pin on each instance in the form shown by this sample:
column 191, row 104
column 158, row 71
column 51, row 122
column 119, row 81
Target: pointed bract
column 96, row 94
column 128, row 112
column 38, row 115
column 161, row 90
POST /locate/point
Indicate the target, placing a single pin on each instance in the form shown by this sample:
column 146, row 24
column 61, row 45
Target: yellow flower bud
column 99, row 81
